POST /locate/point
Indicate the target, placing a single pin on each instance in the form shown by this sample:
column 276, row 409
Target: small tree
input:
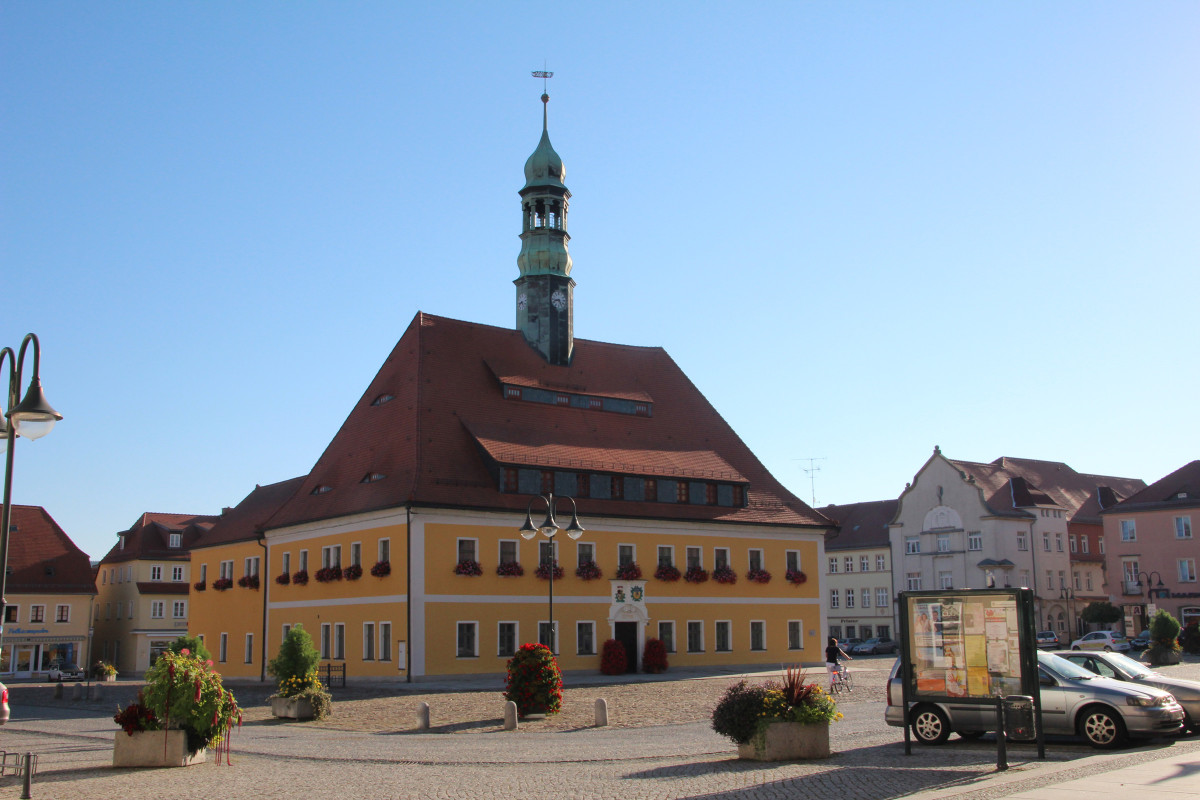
column 612, row 658
column 534, row 681
column 193, row 644
column 1164, row 630
column 654, row 658
column 1101, row 612
column 295, row 668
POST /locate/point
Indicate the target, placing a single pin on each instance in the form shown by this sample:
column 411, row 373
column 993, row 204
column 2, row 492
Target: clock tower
column 545, row 291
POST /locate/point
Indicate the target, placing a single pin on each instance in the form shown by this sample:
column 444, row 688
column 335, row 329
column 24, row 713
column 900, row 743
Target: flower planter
column 787, row 741
column 145, row 749
column 109, row 678
column 292, row 708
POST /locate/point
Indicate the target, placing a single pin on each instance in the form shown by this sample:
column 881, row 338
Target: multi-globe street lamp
column 31, row 418
column 549, row 528
column 1153, row 591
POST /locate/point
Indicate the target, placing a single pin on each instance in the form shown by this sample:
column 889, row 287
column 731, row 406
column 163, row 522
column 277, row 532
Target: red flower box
column 248, row 581
column 300, row 578
column 221, row 584
column 666, row 572
column 329, row 574
column 199, row 586
column 382, row 569
column 543, row 571
column 352, row 572
column 510, row 569
column 758, row 576
column 468, row 567
column 795, row 576
column 629, row 572
column 724, row 575
column 284, row 579
column 588, row 570
column 696, row 575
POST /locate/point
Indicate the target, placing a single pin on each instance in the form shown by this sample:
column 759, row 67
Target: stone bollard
column 510, row 716
column 58, row 691
column 97, row 691
column 423, row 716
column 601, row 713
column 77, row 691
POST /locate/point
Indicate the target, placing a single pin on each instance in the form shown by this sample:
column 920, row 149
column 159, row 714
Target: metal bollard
column 601, row 713
column 27, row 777
column 423, row 716
column 510, row 716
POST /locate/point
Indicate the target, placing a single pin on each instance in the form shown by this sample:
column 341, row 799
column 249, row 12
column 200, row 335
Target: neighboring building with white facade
column 858, row 571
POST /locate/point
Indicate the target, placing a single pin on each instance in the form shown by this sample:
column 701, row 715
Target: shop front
column 30, row 651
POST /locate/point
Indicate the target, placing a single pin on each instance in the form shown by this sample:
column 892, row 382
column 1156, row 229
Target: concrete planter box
column 146, row 749
column 787, row 741
column 109, row 679
column 292, row 708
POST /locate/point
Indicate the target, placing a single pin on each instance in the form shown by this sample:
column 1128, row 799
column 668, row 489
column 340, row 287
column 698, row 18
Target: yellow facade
column 44, row 629
column 230, row 620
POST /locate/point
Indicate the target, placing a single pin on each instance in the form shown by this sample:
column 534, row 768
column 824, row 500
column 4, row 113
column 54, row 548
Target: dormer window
column 595, row 402
column 641, row 409
column 120, row 542
column 512, row 393
column 371, row 477
column 176, row 540
column 383, row 398
column 562, row 400
column 322, row 489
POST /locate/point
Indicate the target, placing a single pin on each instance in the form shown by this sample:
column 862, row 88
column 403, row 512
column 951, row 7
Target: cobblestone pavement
column 640, row 760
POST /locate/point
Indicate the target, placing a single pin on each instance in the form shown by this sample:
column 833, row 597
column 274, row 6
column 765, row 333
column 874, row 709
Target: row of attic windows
column 602, row 486
column 370, row 477
column 616, row 405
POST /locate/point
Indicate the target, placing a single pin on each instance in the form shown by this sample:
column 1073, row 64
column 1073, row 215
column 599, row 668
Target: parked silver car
column 1123, row 668
column 876, row 645
column 1105, row 712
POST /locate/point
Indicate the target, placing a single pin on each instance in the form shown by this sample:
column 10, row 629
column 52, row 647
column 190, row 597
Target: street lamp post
column 1152, row 591
column 1069, row 595
column 548, row 528
column 31, row 418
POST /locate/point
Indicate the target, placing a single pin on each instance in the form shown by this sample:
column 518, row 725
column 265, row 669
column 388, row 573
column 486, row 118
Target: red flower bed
column 352, row 572
column 510, row 569
column 284, row 579
column 666, row 572
column 543, row 571
column 199, row 586
column 612, row 658
column 589, row 571
column 221, row 584
column 629, row 572
column 654, row 657
column 724, row 575
column 382, row 569
column 758, row 576
column 696, row 575
column 795, row 576
column 534, row 681
column 329, row 574
column 248, row 581
column 300, row 578
column 468, row 567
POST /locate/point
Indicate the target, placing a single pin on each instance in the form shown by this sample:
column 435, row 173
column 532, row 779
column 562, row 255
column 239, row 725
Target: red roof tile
column 860, row 524
column 445, row 376
column 43, row 559
column 244, row 521
column 150, row 537
column 1180, row 489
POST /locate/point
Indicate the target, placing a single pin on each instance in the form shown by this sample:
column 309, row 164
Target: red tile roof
column 860, row 524
column 244, row 521
column 1010, row 484
column 43, row 559
column 150, row 537
column 445, row 377
column 1180, row 489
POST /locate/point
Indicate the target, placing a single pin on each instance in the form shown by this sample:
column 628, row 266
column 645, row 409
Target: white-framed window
column 695, row 558
column 177, row 574
column 548, row 635
column 506, row 639
column 695, row 636
column 1062, row 579
column 385, row 549
column 881, row 598
column 204, row 573
column 508, row 551
column 1101, row 545
column 1049, row 579
column 547, row 552
column 339, row 640
column 156, row 572
column 943, row 543
column 795, row 634
column 1183, row 527
column 223, row 651
column 754, row 558
column 331, row 556
column 833, row 565
column 1075, row 579
column 585, row 638
column 758, row 634
column 467, row 549
column 849, row 598
column 848, row 563
column 724, row 642
column 1022, row 542
column 1025, row 580
column 1187, row 570
column 975, row 540
column 791, row 560
column 179, row 609
column 1058, row 544
column 249, row 648
column 120, row 610
column 385, row 641
column 835, row 598
column 585, row 552
column 287, row 628
column 96, row 617
column 368, row 641
column 666, row 634
column 356, row 554
column 62, row 612
column 286, row 563
column 666, row 555
column 227, row 570
column 865, row 597
column 1085, row 543
column 157, row 609
column 326, row 640
column 1088, row 578
column 176, row 541
column 250, row 566
column 864, row 563
column 129, row 609
column 721, row 557
column 1130, row 569
column 626, row 554
column 1129, row 530
column 1073, row 543
column 1046, row 541
column 912, row 544
column 881, row 563
column 37, row 613
column 912, row 581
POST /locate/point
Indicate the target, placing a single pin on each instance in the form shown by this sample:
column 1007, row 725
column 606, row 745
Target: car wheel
column 1076, row 647
column 1102, row 728
column 930, row 725
column 1107, row 648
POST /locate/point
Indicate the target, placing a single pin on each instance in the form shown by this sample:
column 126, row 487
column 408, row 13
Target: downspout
column 408, row 592
column 262, row 573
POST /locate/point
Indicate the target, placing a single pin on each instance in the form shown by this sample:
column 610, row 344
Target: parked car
column 3, row 704
column 1141, row 641
column 876, row 645
column 1048, row 640
column 64, row 672
column 1101, row 640
column 1075, row 702
column 1123, row 668
column 848, row 645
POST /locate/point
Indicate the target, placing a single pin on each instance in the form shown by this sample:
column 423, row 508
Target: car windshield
column 1065, row 668
column 1134, row 668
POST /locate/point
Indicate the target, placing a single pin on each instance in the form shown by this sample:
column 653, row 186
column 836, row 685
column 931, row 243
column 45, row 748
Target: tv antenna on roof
column 812, row 469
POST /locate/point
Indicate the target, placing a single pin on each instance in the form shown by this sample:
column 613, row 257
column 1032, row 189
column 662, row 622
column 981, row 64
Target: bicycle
column 841, row 681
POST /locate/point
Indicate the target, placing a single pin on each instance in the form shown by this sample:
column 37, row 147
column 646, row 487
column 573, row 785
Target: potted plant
column 588, row 570
column 543, row 571
column 724, row 574
column 183, row 710
column 299, row 693
column 510, row 569
column 696, row 575
column 105, row 671
column 200, row 586
column 777, row 721
column 534, row 682
column 300, row 577
column 629, row 572
column 468, row 567
column 1164, row 648
column 758, row 575
column 667, row 572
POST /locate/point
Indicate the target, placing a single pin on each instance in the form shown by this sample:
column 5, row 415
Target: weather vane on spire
column 545, row 76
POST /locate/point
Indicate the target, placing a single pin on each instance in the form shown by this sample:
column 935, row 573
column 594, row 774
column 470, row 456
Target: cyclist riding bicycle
column 832, row 654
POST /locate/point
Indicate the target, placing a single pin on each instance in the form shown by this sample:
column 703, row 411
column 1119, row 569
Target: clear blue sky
column 862, row 229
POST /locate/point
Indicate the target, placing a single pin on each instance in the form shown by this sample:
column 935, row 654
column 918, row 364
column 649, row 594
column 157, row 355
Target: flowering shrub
column 795, row 576
column 666, row 572
column 724, row 575
column 103, row 669
column 221, row 584
column 534, row 681
column 382, row 569
column 588, row 570
column 654, row 657
column 468, row 567
column 284, row 579
column 510, row 569
column 136, row 717
column 300, row 577
column 744, row 711
column 295, row 671
column 612, row 658
column 199, row 586
column 629, row 572
column 543, row 571
column 696, row 575
column 184, row 692
column 248, row 581
column 352, row 572
column 329, row 574
column 758, row 575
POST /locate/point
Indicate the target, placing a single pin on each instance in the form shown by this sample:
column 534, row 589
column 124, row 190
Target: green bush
column 1164, row 632
column 1101, row 612
column 194, row 644
column 295, row 667
column 534, row 681
column 738, row 711
column 744, row 711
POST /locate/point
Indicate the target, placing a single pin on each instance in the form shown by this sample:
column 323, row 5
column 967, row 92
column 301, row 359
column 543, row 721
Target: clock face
column 558, row 299
column 523, row 301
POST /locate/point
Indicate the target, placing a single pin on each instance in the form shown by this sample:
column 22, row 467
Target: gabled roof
column 244, row 521
column 42, row 558
column 860, row 524
column 1180, row 489
column 150, row 537
column 435, row 428
column 1012, row 484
